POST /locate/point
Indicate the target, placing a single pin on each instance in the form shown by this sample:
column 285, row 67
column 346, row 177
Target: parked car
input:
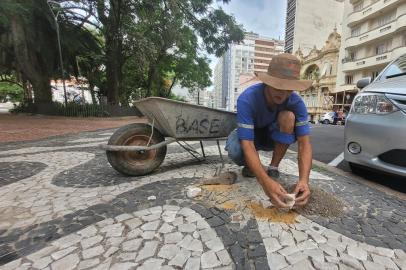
column 327, row 118
column 375, row 131
column 332, row 118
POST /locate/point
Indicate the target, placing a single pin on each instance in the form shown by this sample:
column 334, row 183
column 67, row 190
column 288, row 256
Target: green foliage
column 176, row 97
column 129, row 49
column 11, row 91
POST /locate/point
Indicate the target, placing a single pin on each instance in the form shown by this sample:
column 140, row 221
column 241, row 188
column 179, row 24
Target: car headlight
column 371, row 103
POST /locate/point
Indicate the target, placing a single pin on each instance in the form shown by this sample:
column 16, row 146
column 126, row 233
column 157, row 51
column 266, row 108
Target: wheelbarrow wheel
column 136, row 163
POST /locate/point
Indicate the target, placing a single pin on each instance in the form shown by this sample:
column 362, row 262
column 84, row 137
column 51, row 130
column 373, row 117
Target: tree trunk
column 114, row 51
column 28, row 62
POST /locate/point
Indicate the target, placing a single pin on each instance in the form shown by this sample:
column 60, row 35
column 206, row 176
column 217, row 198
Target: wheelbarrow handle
column 117, row 148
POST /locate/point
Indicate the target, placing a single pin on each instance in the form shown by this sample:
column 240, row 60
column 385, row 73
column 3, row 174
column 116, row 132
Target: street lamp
column 59, row 46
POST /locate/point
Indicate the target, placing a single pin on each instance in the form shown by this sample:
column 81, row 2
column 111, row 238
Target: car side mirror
column 363, row 82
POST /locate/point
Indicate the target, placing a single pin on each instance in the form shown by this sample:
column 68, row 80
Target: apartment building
column 252, row 55
column 374, row 33
column 308, row 23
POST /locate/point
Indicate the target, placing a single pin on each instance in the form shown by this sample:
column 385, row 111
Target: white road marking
column 337, row 160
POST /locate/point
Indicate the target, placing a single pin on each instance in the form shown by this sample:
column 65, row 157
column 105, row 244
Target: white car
column 327, row 118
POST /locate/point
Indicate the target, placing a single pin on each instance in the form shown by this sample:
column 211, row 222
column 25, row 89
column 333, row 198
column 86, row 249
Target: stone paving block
column 373, row 266
column 180, row 258
column 151, row 263
column 386, row 252
column 42, row 263
column 193, row 263
column 92, row 252
column 385, row 261
column 357, row 253
column 147, row 251
column 168, row 251
column 151, row 226
column 173, row 238
column 89, row 242
column 110, row 252
column 301, row 265
column 88, row 231
column 209, row 260
column 207, row 234
column 132, row 245
column 400, row 254
column 276, row 261
column 350, row 261
column 272, row 244
column 315, row 254
column 148, row 235
column 324, row 265
column 123, row 217
column 88, row 263
column 123, row 266
column 299, row 236
column 66, row 263
column 41, row 253
column 317, row 237
column 296, row 257
column 187, row 228
column 224, row 257
column 61, row 253
column 289, row 250
column 215, row 244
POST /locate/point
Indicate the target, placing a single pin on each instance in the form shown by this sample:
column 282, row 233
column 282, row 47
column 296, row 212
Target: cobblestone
column 74, row 211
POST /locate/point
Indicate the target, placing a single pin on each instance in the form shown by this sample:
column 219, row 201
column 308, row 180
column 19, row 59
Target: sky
column 264, row 17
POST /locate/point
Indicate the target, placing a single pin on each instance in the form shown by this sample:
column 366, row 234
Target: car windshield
column 397, row 68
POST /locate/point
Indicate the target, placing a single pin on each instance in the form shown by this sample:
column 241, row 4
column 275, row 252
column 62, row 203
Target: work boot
column 246, row 172
column 273, row 172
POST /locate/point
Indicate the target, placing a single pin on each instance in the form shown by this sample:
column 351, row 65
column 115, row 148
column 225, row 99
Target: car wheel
column 326, row 121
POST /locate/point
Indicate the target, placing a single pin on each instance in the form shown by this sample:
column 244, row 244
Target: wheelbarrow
column 140, row 148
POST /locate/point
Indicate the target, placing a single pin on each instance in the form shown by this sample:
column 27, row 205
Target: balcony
column 384, row 30
column 370, row 11
column 372, row 61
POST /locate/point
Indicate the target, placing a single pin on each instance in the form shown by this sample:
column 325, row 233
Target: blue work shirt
column 253, row 113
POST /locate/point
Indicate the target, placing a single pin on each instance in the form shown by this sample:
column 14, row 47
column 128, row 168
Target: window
column 385, row 19
column 356, row 31
column 374, row 75
column 349, row 79
column 380, row 49
column 358, row 6
column 353, row 55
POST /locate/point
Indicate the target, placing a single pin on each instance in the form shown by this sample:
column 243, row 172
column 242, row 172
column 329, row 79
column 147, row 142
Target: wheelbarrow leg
column 220, row 168
column 201, row 145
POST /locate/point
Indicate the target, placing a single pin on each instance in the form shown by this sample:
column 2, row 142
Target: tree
column 31, row 49
column 155, row 28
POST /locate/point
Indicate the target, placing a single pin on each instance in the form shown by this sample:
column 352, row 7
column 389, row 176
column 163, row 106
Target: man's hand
column 275, row 192
column 302, row 193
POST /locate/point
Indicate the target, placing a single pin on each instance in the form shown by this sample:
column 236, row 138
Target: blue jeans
column 235, row 153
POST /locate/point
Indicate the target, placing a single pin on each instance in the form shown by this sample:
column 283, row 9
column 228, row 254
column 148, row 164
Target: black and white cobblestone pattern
column 40, row 210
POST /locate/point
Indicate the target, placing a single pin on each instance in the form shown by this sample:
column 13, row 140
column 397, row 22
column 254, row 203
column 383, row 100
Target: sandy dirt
column 33, row 127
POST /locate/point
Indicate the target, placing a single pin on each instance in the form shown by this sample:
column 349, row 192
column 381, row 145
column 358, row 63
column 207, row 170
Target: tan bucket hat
column 284, row 74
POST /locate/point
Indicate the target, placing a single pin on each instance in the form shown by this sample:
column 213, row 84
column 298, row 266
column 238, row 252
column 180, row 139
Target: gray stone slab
column 209, row 259
column 147, row 251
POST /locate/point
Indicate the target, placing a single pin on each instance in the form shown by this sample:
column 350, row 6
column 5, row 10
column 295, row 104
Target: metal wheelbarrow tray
column 138, row 149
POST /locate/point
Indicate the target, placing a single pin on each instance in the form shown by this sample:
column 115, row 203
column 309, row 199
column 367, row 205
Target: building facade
column 252, row 55
column 309, row 22
column 320, row 66
column 374, row 33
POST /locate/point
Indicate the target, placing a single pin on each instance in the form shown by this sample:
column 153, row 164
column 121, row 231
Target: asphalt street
column 328, row 145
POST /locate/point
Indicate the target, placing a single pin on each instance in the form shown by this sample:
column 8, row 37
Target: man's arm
column 302, row 190
column 271, row 188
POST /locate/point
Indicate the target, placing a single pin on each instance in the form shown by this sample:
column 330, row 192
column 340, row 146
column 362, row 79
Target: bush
column 11, row 92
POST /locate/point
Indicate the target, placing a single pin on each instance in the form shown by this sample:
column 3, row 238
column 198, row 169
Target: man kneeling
column 270, row 117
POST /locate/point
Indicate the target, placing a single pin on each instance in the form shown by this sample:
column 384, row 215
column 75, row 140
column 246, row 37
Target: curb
column 358, row 179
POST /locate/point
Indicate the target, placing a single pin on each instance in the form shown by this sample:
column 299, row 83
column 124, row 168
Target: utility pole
column 59, row 47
